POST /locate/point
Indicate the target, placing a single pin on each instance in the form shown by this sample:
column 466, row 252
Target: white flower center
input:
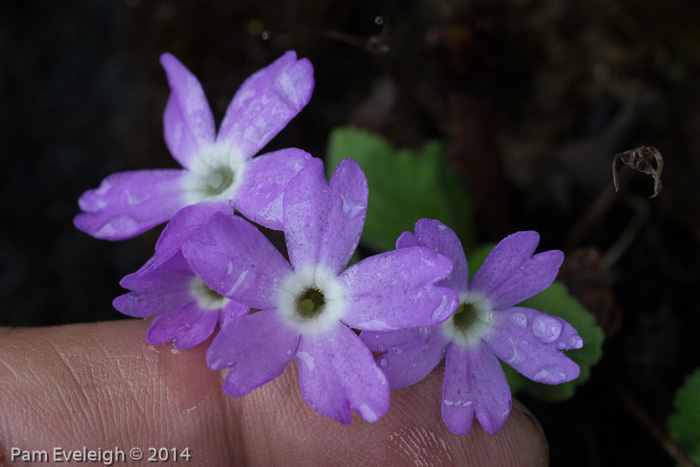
column 311, row 300
column 471, row 322
column 215, row 174
column 206, row 297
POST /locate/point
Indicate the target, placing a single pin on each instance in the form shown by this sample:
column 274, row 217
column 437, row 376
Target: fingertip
column 410, row 433
column 420, row 436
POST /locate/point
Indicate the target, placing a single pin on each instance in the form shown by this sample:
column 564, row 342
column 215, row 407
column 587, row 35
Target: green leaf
column 477, row 257
column 684, row 424
column 403, row 187
column 555, row 301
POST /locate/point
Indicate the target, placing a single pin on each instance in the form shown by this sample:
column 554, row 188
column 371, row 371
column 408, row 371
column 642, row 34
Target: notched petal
column 324, row 221
column 532, row 342
column 408, row 355
column 513, row 273
column 187, row 326
column 129, row 203
column 441, row 239
column 255, row 347
column 266, row 102
column 337, row 375
column 188, row 123
column 475, row 385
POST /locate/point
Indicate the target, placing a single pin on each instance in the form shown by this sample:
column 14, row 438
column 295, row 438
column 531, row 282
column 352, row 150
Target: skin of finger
column 103, row 387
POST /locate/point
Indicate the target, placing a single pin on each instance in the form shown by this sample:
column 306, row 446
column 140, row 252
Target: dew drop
column 520, row 320
column 381, row 348
column 550, row 374
column 350, row 207
column 397, row 350
column 384, row 363
column 546, row 329
column 424, row 334
column 575, row 342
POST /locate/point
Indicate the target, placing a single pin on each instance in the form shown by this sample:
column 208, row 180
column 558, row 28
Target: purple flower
column 218, row 168
column 486, row 326
column 187, row 309
column 307, row 308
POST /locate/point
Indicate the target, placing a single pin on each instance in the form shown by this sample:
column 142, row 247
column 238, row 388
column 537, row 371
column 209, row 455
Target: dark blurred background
column 535, row 97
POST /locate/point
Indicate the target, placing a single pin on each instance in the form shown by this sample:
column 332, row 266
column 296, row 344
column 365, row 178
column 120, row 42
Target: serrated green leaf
column 684, row 424
column 403, row 187
column 555, row 301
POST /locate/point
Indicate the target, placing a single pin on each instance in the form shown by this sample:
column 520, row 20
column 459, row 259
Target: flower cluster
column 214, row 273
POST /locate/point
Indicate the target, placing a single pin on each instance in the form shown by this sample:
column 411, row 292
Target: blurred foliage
column 404, row 186
column 684, row 424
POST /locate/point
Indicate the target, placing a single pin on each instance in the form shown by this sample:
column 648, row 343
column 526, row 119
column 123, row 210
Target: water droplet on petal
column 384, row 363
column 397, row 350
column 550, row 374
column 546, row 328
column 350, row 207
column 381, row 348
column 519, row 319
column 575, row 342
column 424, row 334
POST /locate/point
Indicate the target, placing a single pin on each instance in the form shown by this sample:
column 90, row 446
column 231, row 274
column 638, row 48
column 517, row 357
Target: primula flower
column 307, row 308
column 486, row 326
column 187, row 309
column 218, row 168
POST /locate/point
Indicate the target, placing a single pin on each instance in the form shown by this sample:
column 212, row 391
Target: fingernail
column 521, row 407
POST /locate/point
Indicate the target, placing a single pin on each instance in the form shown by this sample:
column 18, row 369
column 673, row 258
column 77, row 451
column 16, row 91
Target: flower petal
column 266, row 102
column 148, row 278
column 407, row 239
column 259, row 197
column 512, row 274
column 396, row 290
column 474, row 385
column 129, row 203
column 257, row 347
column 238, row 261
column 188, row 123
column 337, row 375
column 187, row 326
column 156, row 291
column 408, row 355
column 531, row 342
column 184, row 226
column 232, row 310
column 441, row 239
column 323, row 222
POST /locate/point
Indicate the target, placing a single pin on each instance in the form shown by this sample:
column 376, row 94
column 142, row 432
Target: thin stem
column 595, row 211
column 627, row 237
column 638, row 412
